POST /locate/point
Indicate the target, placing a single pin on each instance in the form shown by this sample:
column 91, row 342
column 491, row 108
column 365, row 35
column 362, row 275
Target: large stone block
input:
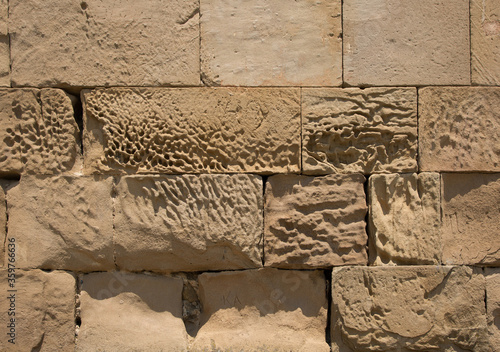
column 492, row 276
column 459, row 129
column 353, row 130
column 189, row 222
column 413, row 308
column 192, row 130
column 406, row 42
column 101, row 43
column 315, row 222
column 271, row 43
column 4, row 44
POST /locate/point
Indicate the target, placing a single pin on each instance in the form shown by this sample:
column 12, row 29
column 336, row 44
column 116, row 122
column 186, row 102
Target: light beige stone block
column 354, row 130
column 492, row 276
column 315, row 222
column 4, row 45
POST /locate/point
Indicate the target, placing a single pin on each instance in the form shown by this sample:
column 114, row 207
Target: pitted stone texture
column 192, row 130
column 406, row 42
column 418, row 308
column 116, row 42
column 459, row 129
column 263, row 310
column 44, row 311
column 471, row 218
column 189, row 222
column 4, row 45
column 492, row 276
column 63, row 222
column 405, row 219
column 353, row 130
column 315, row 222
column 271, row 43
column 131, row 312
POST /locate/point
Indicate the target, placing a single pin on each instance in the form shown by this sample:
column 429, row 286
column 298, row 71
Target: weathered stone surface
column 131, row 312
column 63, row 222
column 4, row 45
column 408, row 309
column 263, row 310
column 271, row 43
column 189, row 222
column 406, row 42
column 101, row 43
column 405, row 219
column 471, row 218
column 315, row 222
column 354, row 130
column 459, row 129
column 192, row 130
column 44, row 311
column 492, row 276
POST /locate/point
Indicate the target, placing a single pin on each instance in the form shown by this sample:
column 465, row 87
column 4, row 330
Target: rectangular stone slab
column 4, row 44
column 492, row 276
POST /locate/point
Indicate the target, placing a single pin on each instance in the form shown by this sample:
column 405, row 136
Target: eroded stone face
column 4, row 45
column 492, row 276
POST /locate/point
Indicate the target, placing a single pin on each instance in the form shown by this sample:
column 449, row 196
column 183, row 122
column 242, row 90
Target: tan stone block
column 459, row 129
column 406, row 42
column 405, row 219
column 315, row 222
column 413, row 308
column 271, row 43
column 471, row 218
column 263, row 310
column 44, row 307
column 354, row 130
column 4, row 45
column 131, row 312
column 192, row 130
column 101, row 43
column 492, row 276
column 188, row 222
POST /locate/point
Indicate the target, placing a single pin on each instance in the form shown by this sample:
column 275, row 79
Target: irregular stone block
column 405, row 219
column 406, row 42
column 104, row 43
column 263, row 310
column 471, row 218
column 413, row 308
column 459, row 129
column 315, row 222
column 189, row 222
column 354, row 130
column 4, row 45
column 271, row 43
column 192, row 130
column 492, row 276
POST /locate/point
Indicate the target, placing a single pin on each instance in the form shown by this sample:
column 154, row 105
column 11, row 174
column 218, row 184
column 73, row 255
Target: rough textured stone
column 4, row 45
column 314, row 222
column 189, row 222
column 131, row 312
column 63, row 222
column 263, row 310
column 459, row 129
column 44, row 311
column 405, row 219
column 408, row 309
column 493, row 306
column 271, row 43
column 354, row 130
column 192, row 130
column 471, row 218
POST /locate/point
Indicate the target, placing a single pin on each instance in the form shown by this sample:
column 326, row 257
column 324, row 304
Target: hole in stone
column 84, row 5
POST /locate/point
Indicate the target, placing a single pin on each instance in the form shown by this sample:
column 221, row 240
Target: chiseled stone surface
column 4, row 45
column 192, row 130
column 412, row 308
column 406, row 42
column 492, row 276
column 315, row 222
column 131, row 312
column 44, row 311
column 405, row 219
column 189, row 222
column 263, row 310
column 353, row 130
column 62, row 222
column 459, row 129
column 471, row 218
column 271, row 43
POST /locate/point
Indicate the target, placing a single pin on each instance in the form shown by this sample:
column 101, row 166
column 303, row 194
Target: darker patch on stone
column 84, row 5
column 264, row 183
column 328, row 280
column 367, row 221
column 76, row 102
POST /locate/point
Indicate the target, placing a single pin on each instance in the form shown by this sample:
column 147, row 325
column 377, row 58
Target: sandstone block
column 353, row 130
column 492, row 276
column 4, row 45
column 459, row 129
column 192, row 130
column 271, row 43
column 315, row 222
column 136, row 43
